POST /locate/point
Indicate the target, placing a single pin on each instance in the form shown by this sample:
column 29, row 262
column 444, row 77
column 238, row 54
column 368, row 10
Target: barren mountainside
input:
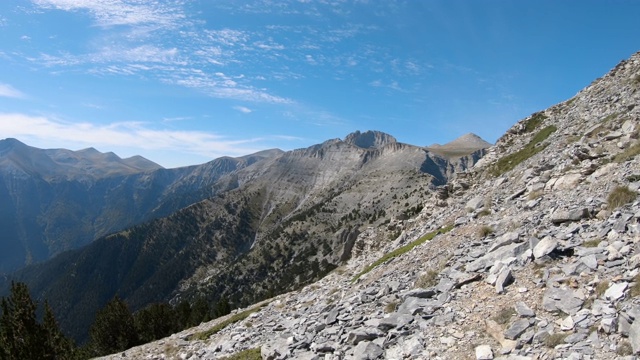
column 531, row 253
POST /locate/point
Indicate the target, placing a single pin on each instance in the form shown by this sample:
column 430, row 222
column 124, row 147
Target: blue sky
column 183, row 82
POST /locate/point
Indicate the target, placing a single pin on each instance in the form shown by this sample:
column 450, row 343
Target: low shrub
column 510, row 161
column 620, row 196
column 401, row 250
column 555, row 339
column 428, row 279
column 504, row 315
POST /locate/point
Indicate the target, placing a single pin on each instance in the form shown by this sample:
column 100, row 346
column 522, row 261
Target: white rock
column 484, row 352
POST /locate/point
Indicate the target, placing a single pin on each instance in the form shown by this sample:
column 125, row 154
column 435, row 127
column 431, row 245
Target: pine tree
column 22, row 336
column 21, row 333
column 57, row 345
column 113, row 329
column 155, row 322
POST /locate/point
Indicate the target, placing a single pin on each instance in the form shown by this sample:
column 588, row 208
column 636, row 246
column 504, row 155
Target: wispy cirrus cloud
column 122, row 12
column 9, row 91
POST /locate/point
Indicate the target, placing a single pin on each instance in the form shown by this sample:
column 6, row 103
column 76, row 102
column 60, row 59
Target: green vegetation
column 633, row 178
column 624, row 348
column 401, row 250
column 484, row 231
column 635, row 288
column 628, row 154
column 601, row 288
column 390, row 307
column 620, row 196
column 249, row 354
column 535, row 121
column 509, row 162
column 204, row 335
column 535, row 194
column 23, row 337
column 555, row 339
column 114, row 329
column 504, row 315
column 591, row 243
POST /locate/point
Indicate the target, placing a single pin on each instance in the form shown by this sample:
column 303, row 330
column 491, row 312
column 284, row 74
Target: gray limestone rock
column 395, row 320
column 504, row 278
column 332, row 316
column 523, row 310
column 634, row 336
column 563, row 216
column 516, row 329
column 474, row 204
column 413, row 306
column 420, row 293
column 362, row 334
column 545, row 247
column 561, row 299
column 277, row 349
column 616, row 291
column 367, row 350
column 511, row 250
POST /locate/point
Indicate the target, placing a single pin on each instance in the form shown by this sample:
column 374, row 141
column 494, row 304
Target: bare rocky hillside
column 531, row 254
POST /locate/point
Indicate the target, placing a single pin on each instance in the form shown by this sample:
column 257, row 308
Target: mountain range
column 530, row 252
column 239, row 228
column 368, row 248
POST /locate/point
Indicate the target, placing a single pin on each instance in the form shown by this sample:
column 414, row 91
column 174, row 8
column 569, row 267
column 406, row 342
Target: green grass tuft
column 556, row 339
column 249, row 354
column 510, row 161
column 535, row 121
column 401, row 250
column 620, row 196
column 504, row 315
column 429, row 279
column 591, row 243
column 628, row 154
column 204, row 335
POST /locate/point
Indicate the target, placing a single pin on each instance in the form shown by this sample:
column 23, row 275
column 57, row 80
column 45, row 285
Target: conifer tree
column 57, row 345
column 22, row 336
column 114, row 329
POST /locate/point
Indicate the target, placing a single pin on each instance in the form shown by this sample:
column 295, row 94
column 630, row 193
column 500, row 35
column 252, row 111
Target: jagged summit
column 369, row 139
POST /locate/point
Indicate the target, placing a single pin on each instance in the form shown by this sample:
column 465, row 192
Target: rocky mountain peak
column 369, row 139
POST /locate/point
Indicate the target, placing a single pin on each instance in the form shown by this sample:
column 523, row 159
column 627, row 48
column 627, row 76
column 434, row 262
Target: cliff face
column 531, row 254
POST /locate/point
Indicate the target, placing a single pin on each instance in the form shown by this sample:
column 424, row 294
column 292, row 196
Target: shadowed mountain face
column 270, row 223
column 56, row 200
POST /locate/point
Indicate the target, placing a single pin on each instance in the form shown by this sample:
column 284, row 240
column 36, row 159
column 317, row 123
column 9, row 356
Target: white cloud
column 10, row 92
column 243, row 109
column 122, row 12
column 128, row 135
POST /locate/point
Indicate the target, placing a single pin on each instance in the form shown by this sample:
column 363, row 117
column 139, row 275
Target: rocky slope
column 541, row 260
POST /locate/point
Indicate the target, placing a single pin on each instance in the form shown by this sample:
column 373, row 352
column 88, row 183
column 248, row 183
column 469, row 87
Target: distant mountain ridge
column 55, row 200
column 67, row 164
